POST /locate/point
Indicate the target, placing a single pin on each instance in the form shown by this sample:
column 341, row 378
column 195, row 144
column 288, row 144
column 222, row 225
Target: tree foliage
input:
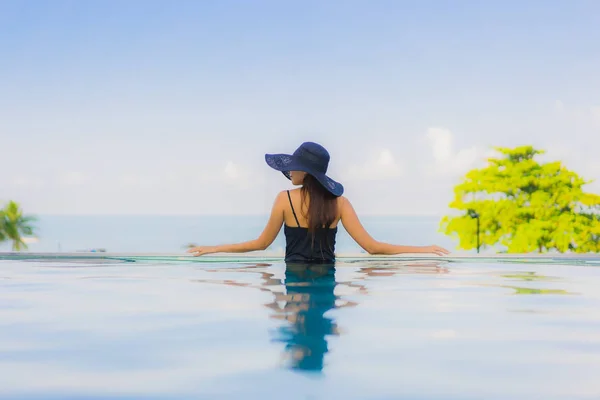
column 525, row 206
column 14, row 225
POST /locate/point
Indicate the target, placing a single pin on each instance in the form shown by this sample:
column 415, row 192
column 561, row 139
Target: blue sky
column 168, row 107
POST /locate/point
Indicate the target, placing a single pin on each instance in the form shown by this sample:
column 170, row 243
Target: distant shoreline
column 226, row 215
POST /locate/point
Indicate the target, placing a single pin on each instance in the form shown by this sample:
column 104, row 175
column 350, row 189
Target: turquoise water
column 171, row 233
column 102, row 329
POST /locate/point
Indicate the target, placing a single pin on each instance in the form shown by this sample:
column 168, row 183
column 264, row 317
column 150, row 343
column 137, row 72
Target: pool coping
column 585, row 258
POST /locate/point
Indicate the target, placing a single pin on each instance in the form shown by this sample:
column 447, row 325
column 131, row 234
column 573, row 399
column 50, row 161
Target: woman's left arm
column 264, row 240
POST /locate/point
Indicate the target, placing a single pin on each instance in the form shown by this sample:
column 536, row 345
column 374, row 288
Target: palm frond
column 13, row 225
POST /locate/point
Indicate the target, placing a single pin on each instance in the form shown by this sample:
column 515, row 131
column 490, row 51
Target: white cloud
column 20, row 181
column 232, row 171
column 441, row 143
column 444, row 334
column 238, row 176
column 447, row 162
column 559, row 106
column 588, row 116
column 133, row 179
column 26, row 181
column 187, row 175
column 595, row 112
column 73, row 178
column 593, row 168
column 382, row 166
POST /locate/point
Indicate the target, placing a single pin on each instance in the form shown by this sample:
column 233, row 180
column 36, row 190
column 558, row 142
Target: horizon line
column 206, row 215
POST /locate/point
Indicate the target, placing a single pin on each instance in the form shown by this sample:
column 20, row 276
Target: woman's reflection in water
column 309, row 295
column 304, row 298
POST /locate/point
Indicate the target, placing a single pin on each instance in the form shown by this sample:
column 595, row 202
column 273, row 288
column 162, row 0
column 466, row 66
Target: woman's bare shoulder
column 281, row 197
column 342, row 204
column 342, row 200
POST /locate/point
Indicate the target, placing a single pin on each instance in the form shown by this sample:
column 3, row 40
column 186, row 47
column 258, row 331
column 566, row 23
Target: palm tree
column 14, row 225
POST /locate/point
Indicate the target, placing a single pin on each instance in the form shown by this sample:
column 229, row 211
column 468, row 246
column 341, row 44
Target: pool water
column 104, row 329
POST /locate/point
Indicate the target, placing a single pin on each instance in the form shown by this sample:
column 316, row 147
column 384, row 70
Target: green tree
column 525, row 206
column 14, row 225
column 2, row 230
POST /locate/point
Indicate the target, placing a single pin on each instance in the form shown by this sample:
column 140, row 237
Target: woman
column 310, row 214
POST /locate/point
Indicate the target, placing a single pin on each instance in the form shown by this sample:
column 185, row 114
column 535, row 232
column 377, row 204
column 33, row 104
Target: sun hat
column 311, row 158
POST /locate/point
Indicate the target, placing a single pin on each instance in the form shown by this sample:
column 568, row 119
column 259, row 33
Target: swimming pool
column 124, row 327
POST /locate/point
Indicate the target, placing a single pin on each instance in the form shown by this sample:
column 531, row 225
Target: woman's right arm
column 361, row 236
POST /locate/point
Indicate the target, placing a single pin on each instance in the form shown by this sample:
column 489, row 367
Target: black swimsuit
column 300, row 246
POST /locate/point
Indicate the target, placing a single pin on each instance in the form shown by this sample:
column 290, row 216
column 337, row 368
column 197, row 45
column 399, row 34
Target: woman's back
column 301, row 244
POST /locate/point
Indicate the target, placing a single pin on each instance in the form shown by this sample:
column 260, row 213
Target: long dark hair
column 322, row 207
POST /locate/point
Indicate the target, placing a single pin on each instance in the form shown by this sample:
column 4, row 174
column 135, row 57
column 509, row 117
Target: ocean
column 137, row 233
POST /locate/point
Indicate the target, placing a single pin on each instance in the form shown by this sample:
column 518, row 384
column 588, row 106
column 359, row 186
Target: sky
column 168, row 107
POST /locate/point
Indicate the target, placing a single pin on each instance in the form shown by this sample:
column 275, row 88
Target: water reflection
column 386, row 268
column 530, row 277
column 524, row 290
column 304, row 299
column 309, row 295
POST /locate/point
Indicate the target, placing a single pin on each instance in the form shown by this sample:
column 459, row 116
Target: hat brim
column 285, row 163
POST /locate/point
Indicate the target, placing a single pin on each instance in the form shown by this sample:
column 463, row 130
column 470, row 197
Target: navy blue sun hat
column 311, row 158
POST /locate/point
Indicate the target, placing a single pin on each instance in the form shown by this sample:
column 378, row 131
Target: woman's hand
column 440, row 251
column 202, row 250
